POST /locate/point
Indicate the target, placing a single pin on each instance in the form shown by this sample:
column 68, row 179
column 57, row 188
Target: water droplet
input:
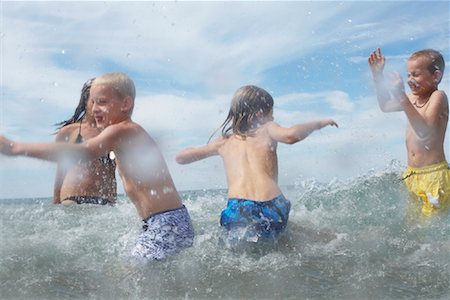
column 55, row 84
column 350, row 20
column 63, row 51
column 167, row 190
column 42, row 100
column 128, row 55
column 153, row 192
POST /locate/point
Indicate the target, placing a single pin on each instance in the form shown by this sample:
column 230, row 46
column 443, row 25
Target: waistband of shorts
column 89, row 199
column 427, row 169
column 279, row 197
column 163, row 212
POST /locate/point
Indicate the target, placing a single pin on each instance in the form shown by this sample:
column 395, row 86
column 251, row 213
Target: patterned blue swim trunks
column 265, row 218
column 164, row 234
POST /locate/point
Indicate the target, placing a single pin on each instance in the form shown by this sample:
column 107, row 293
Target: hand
column 6, row 146
column 376, row 62
column 398, row 87
column 329, row 122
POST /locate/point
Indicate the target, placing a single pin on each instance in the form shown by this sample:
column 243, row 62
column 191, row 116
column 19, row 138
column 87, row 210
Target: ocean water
column 345, row 240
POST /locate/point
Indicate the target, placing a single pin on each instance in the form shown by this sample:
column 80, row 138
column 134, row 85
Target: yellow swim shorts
column 431, row 184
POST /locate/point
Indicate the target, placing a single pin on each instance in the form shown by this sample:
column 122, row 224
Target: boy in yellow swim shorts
column 426, row 108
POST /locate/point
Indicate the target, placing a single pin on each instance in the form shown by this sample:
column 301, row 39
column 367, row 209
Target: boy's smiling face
column 420, row 80
column 106, row 106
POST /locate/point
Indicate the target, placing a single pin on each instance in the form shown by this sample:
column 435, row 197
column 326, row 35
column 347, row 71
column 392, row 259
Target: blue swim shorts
column 265, row 218
column 164, row 234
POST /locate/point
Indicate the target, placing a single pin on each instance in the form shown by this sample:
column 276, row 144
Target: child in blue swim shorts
column 248, row 148
column 263, row 218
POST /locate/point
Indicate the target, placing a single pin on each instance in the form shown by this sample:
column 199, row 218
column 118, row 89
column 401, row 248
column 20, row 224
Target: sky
column 188, row 58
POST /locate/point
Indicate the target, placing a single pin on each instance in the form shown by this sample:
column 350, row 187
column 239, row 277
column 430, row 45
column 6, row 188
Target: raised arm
column 384, row 97
column 297, row 132
column 193, row 154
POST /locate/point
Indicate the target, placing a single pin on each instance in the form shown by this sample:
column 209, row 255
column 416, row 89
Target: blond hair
column 436, row 60
column 121, row 84
column 249, row 105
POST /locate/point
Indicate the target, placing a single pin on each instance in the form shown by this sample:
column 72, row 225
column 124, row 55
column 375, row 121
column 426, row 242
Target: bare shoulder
column 439, row 100
column 64, row 133
column 218, row 142
column 125, row 127
column 271, row 128
column 439, row 94
column 271, row 125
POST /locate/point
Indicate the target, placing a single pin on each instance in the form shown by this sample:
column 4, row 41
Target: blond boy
column 426, row 108
column 167, row 227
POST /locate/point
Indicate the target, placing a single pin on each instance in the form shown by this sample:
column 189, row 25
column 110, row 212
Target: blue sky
column 188, row 58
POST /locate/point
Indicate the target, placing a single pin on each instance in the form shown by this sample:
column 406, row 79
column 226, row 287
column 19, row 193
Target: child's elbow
column 290, row 139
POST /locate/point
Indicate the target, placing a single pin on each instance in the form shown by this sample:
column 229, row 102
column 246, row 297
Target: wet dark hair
column 80, row 111
column 249, row 103
column 436, row 60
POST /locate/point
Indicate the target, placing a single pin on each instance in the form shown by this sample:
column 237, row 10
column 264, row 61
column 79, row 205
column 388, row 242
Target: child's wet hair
column 121, row 83
column 80, row 111
column 249, row 105
column 436, row 60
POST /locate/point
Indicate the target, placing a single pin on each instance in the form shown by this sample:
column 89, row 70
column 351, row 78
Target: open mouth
column 413, row 84
column 99, row 119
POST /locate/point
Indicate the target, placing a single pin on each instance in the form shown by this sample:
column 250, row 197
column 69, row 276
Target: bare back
column 428, row 149
column 251, row 166
column 142, row 167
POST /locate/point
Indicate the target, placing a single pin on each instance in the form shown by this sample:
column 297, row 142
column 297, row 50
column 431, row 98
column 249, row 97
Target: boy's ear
column 127, row 104
column 437, row 76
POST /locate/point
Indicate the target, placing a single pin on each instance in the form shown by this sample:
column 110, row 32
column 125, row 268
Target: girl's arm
column 193, row 154
column 297, row 132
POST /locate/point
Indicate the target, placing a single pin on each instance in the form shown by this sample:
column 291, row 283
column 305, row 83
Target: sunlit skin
column 251, row 163
column 92, row 178
column 426, row 108
column 142, row 168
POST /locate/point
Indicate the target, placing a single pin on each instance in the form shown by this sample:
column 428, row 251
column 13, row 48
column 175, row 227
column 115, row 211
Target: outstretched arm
column 61, row 168
column 297, row 132
column 385, row 100
column 61, row 151
column 193, row 154
column 50, row 151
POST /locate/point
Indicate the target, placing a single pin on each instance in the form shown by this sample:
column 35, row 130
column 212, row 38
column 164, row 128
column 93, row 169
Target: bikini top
column 105, row 159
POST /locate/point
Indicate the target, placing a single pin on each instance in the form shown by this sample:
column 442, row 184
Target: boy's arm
column 297, row 132
column 385, row 101
column 94, row 147
column 193, row 154
column 61, row 169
